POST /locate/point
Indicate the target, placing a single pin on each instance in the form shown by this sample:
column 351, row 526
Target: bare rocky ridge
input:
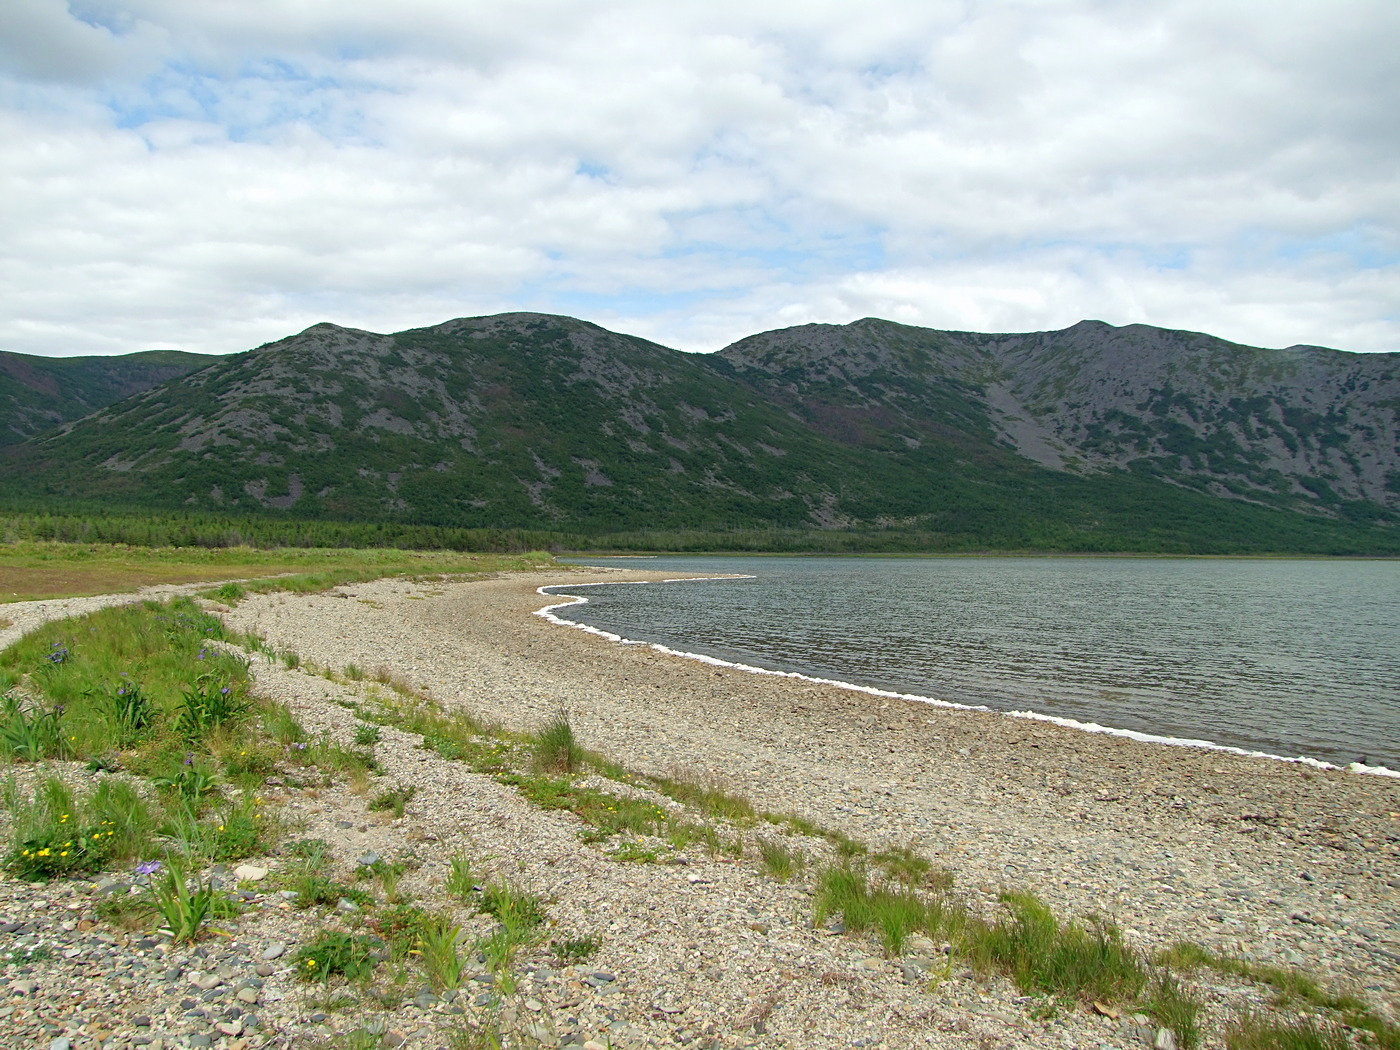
column 1284, row 864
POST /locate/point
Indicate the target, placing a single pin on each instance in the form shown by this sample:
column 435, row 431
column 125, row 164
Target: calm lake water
column 1286, row 657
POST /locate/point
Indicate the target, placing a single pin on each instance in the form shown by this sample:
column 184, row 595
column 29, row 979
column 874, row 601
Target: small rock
column 23, row 987
column 1165, row 1040
column 534, row 1004
column 249, row 873
column 871, row 963
column 368, row 859
column 230, row 1028
column 393, row 1038
column 141, row 1021
column 265, row 969
column 61, row 1043
column 274, row 951
column 248, row 995
column 346, row 906
column 200, row 1039
column 918, row 944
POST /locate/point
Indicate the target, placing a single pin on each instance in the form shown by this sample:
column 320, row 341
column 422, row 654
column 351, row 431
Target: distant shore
column 1281, row 861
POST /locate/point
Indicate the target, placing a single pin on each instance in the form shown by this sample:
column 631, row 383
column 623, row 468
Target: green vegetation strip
column 32, row 570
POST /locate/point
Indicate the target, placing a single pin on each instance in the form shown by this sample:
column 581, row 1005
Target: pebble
column 274, row 951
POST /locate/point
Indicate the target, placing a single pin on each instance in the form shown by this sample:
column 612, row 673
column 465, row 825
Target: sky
column 210, row 175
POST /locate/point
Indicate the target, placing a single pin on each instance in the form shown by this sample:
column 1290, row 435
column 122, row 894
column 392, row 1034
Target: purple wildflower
column 148, row 867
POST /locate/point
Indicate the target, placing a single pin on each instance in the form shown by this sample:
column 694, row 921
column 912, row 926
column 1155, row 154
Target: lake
column 1286, row 657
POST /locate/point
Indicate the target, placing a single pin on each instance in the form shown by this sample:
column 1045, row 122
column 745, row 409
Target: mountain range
column 1094, row 437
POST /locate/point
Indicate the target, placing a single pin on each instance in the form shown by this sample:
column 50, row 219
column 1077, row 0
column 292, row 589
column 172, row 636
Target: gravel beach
column 1271, row 861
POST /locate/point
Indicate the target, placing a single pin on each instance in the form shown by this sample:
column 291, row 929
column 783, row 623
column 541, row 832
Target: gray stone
column 274, row 951
column 23, row 987
column 248, row 995
column 346, row 906
column 1165, row 1040
column 61, row 1043
column 200, row 1039
column 368, row 859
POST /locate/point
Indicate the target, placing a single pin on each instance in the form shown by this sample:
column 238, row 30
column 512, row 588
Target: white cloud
column 214, row 175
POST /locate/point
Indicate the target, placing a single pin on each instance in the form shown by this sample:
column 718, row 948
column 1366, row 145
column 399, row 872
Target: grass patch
column 336, row 952
column 1255, row 1032
column 892, row 911
column 147, row 676
column 1290, row 987
column 779, row 861
column 605, row 814
column 555, row 749
column 366, row 735
column 1044, row 956
column 1174, row 1008
column 54, row 834
column 462, row 881
column 392, row 800
column 31, row 570
column 570, row 950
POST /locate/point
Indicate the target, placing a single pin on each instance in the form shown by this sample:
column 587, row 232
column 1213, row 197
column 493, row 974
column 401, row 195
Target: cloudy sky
column 212, row 174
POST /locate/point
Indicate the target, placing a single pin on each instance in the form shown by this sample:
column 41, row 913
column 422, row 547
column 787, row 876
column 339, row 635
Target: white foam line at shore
column 547, row 613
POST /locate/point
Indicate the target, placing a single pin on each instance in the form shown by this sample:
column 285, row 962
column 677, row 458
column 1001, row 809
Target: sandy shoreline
column 1283, row 863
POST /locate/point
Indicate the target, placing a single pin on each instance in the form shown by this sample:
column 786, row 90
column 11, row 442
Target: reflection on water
column 1287, row 657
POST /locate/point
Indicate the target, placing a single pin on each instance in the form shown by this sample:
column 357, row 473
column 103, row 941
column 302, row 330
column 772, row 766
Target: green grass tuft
column 1255, row 1032
column 1043, row 955
column 555, row 749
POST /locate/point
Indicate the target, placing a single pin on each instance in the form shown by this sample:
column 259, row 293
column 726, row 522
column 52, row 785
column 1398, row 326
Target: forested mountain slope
column 1091, row 438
